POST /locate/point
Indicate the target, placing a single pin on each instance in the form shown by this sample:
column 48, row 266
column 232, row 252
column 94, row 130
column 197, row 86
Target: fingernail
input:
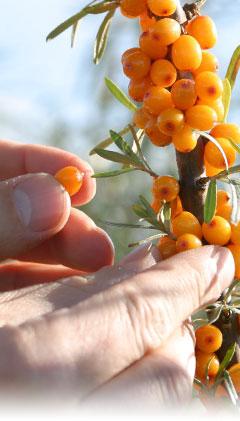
column 41, row 203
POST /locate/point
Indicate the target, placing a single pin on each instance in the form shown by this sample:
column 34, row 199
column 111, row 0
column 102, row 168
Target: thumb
column 33, row 208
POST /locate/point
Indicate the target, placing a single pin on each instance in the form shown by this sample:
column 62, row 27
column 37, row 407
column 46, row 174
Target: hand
column 37, row 223
column 121, row 334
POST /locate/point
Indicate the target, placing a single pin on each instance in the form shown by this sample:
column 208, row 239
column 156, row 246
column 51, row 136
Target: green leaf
column 102, row 37
column 74, row 33
column 148, row 240
column 108, row 141
column 113, row 173
column 120, row 225
column 234, row 145
column 204, row 317
column 98, row 8
column 114, row 157
column 226, row 98
column 211, row 202
column 226, row 361
column 120, row 95
column 235, row 216
column 230, row 388
column 124, row 147
column 147, row 206
column 139, row 211
column 166, row 217
column 233, row 67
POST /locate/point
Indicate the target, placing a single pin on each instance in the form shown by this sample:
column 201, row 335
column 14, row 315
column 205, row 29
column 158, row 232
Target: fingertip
column 102, row 249
column 88, row 189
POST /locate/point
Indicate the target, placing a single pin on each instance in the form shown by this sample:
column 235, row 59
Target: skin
column 112, row 334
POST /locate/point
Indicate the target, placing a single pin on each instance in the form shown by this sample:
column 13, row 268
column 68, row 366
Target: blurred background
column 54, row 95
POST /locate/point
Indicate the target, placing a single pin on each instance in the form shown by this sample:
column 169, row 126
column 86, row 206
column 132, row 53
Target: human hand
column 122, row 334
column 37, row 223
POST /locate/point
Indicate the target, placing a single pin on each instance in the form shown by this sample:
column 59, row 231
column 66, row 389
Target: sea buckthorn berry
column 208, row 86
column 146, row 22
column 167, row 247
column 166, row 31
column 214, row 156
column 228, row 131
column 235, row 250
column 217, row 232
column 209, row 63
column 234, row 372
column 215, row 105
column 201, row 117
column 127, row 53
column 71, row 179
column 186, row 223
column 185, row 140
column 210, row 171
column 156, row 205
column 225, row 211
column 204, row 30
column 138, row 88
column 170, row 121
column 156, row 137
column 186, row 53
column 176, row 207
column 209, row 339
column 163, row 7
column 151, row 45
column 157, row 100
column 141, row 117
column 184, row 94
column 136, row 65
column 165, row 188
column 223, row 198
column 163, row 73
column 133, row 8
column 187, row 242
column 235, row 236
column 203, row 363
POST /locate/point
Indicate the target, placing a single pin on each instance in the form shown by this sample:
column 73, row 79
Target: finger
column 79, row 245
column 19, row 159
column 163, row 378
column 33, row 208
column 16, row 275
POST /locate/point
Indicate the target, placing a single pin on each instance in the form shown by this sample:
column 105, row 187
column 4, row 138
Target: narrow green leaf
column 139, row 211
column 204, row 317
column 108, row 141
column 120, row 95
column 234, row 67
column 102, row 37
column 234, row 145
column 148, row 240
column 114, row 157
column 211, row 202
column 165, row 215
column 98, row 8
column 113, row 173
column 235, row 216
column 226, row 361
column 230, row 388
column 226, row 98
column 121, row 225
column 147, row 206
column 124, row 147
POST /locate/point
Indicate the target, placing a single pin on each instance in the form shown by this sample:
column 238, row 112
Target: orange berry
column 228, row 131
column 167, row 247
column 225, row 211
column 156, row 137
column 209, row 63
column 146, row 22
column 235, row 250
column 234, row 372
column 156, row 205
column 184, row 94
column 235, row 236
column 201, row 117
column 208, row 86
column 223, row 198
column 217, row 232
column 163, row 7
column 170, row 121
column 186, row 223
column 214, row 156
column 209, row 339
column 202, row 363
column 216, row 105
column 187, row 242
column 204, row 30
column 176, row 207
column 136, row 65
column 128, row 53
column 210, row 171
column 185, row 140
column 163, row 73
column 166, row 31
column 157, row 100
column 138, row 88
column 165, row 188
column 151, row 45
column 71, row 179
column 141, row 118
column 186, row 53
column 132, row 8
